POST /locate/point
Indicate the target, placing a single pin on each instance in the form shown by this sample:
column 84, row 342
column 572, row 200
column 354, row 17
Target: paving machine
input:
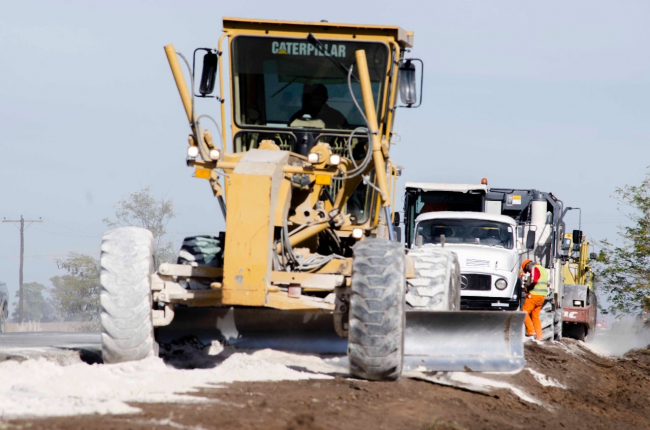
column 308, row 261
column 580, row 303
column 539, row 228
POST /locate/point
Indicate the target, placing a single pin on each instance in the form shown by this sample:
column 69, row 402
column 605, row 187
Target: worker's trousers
column 532, row 307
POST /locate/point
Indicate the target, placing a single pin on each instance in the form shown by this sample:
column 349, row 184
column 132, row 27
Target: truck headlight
column 335, row 160
column 578, row 303
column 215, row 154
column 501, row 284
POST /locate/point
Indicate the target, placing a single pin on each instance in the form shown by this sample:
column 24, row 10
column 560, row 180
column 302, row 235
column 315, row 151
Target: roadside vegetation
column 623, row 269
column 74, row 295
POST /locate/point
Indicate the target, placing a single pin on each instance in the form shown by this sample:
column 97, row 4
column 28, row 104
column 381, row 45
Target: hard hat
column 524, row 264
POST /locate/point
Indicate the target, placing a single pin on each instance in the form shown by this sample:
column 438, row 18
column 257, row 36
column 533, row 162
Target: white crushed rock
column 477, row 381
column 43, row 388
column 544, row 380
column 472, row 382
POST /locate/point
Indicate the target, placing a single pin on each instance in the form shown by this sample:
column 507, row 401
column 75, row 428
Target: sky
column 551, row 95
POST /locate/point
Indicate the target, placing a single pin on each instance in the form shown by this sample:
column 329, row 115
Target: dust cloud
column 625, row 335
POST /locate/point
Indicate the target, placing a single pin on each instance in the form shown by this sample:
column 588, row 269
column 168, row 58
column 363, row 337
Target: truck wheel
column 437, row 286
column 126, row 267
column 377, row 318
column 200, row 251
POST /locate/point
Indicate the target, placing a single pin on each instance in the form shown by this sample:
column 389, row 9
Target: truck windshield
column 286, row 82
column 468, row 231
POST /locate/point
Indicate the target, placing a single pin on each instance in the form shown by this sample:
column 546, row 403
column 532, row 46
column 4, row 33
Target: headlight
column 192, row 151
column 357, row 233
column 215, row 154
column 313, row 157
column 578, row 303
column 501, row 284
column 335, row 160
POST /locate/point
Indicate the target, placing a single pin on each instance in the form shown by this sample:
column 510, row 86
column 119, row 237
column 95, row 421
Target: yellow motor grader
column 308, row 261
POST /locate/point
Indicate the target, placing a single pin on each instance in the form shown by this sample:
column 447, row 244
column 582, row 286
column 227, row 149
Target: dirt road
column 565, row 385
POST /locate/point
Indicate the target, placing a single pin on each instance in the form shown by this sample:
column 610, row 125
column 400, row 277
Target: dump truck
column 539, row 227
column 308, row 260
column 453, row 215
column 580, row 303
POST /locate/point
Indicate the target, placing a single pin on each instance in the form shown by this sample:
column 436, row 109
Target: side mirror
column 530, row 240
column 408, row 92
column 396, row 219
column 593, row 256
column 566, row 244
column 577, row 237
column 209, row 73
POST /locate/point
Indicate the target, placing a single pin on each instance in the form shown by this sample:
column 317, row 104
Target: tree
column 623, row 271
column 36, row 307
column 142, row 209
column 76, row 294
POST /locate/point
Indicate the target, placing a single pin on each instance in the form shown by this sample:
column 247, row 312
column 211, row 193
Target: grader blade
column 472, row 341
column 257, row 328
column 435, row 341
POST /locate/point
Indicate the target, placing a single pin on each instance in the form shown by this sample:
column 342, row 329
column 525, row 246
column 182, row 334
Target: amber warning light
column 484, row 181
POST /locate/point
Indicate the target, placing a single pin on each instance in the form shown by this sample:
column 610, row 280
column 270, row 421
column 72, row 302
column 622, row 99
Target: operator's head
column 527, row 266
column 315, row 98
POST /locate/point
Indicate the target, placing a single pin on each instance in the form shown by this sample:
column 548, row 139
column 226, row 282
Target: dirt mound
column 565, row 385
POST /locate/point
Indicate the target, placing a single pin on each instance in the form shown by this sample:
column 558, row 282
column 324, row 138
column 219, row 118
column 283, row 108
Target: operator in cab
column 314, row 104
column 537, row 290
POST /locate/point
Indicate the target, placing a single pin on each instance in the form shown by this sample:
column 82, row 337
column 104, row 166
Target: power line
column 22, row 222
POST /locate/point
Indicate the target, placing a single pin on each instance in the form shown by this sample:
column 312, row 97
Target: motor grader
column 308, row 261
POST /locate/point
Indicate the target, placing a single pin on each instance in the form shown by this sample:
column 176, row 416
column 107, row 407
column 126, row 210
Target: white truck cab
column 488, row 252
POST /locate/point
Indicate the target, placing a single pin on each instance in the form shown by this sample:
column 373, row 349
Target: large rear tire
column 127, row 264
column 377, row 317
column 437, row 285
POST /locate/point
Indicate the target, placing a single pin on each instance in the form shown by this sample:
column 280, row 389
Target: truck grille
column 474, row 282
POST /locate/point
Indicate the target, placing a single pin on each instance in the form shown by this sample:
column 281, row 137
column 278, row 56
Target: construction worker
column 537, row 290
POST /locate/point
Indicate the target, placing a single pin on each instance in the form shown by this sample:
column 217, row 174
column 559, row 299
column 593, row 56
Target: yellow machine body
column 577, row 271
column 260, row 189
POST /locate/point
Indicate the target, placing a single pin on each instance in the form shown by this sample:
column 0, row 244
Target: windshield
column 282, row 82
column 470, row 231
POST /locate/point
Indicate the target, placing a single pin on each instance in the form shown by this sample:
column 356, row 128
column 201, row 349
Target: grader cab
column 308, row 260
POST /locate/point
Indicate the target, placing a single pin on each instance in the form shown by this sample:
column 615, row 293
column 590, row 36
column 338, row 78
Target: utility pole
column 22, row 222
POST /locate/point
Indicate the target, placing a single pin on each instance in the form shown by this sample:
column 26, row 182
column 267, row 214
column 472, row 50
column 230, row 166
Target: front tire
column 377, row 314
column 127, row 264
